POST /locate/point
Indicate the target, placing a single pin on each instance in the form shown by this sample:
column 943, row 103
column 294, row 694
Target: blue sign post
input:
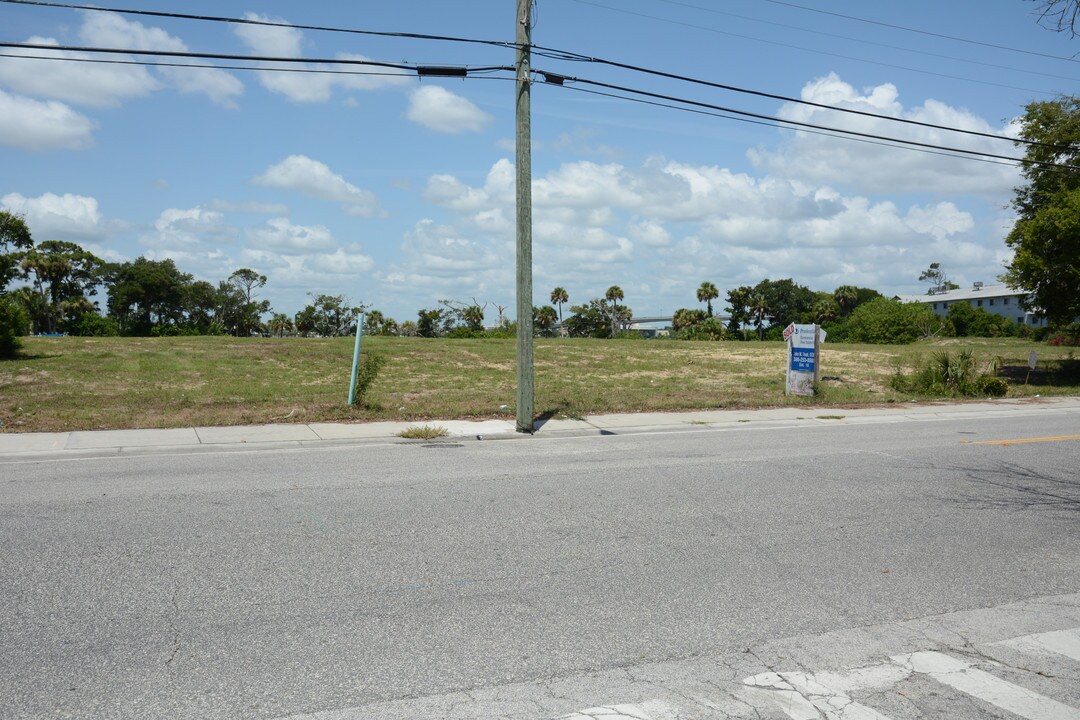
column 803, row 343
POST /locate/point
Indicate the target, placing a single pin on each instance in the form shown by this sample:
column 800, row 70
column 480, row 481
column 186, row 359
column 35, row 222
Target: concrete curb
column 248, row 437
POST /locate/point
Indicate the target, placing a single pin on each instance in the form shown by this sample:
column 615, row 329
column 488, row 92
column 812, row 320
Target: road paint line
column 986, row 687
column 649, row 710
column 1021, row 441
column 1060, row 642
column 802, row 697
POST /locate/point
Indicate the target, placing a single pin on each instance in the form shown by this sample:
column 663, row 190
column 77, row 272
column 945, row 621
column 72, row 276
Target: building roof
column 986, row 291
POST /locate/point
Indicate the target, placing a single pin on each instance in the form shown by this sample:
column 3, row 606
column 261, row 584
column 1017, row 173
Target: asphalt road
column 360, row 578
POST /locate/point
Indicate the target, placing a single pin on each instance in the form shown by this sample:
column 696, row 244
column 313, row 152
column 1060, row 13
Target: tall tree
column 759, row 311
column 62, row 274
column 1046, row 236
column 280, row 323
column 558, row 297
column 144, row 294
column 738, row 300
column 706, row 294
column 846, row 296
column 613, row 295
column 1059, row 15
column 14, row 236
column 544, row 319
column 936, row 277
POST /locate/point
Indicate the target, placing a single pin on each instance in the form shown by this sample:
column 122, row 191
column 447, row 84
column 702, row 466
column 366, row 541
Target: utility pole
column 524, row 220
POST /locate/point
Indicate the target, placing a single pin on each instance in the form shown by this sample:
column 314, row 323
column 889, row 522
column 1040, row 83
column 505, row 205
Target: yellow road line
column 1021, row 441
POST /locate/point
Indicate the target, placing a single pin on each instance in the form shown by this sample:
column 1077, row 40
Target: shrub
column 1068, row 336
column 14, row 323
column 949, row 375
column 370, row 365
column 886, row 322
column 707, row 329
column 92, row 325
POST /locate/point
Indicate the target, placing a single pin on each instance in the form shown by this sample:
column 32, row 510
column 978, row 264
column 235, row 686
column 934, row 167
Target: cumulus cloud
column 878, row 169
column 281, row 235
column 42, row 125
column 187, row 230
column 306, row 86
column 79, row 83
column 664, row 221
column 443, row 111
column 107, row 29
column 249, row 207
column 316, row 179
column 58, row 217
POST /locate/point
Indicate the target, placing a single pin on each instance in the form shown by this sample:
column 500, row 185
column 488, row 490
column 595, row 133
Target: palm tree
column 280, row 324
column 706, row 294
column 614, row 294
column 759, row 309
column 846, row 296
column 558, row 297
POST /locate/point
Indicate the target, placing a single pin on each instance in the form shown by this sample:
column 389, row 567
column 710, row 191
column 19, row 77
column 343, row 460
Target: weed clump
column 946, row 374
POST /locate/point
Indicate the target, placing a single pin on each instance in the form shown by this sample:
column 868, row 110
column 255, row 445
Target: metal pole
column 524, row 221
column 356, row 358
column 817, row 357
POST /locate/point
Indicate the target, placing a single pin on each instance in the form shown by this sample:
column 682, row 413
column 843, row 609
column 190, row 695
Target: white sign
column 1032, row 360
column 802, row 359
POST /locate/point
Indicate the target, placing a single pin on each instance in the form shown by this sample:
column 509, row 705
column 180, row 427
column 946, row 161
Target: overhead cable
column 928, row 33
column 814, row 126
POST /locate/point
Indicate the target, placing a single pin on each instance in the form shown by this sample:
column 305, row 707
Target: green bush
column 707, row 329
column 887, row 322
column 370, row 364
column 951, row 375
column 14, row 323
column 91, row 325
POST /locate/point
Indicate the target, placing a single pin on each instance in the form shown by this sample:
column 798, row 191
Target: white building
column 997, row 299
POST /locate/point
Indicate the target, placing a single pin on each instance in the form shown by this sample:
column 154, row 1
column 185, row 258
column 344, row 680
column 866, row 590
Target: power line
column 928, row 33
column 250, row 58
column 553, row 53
column 826, row 53
column 255, row 68
column 800, row 124
column 268, row 23
column 800, row 101
column 838, row 36
column 764, row 123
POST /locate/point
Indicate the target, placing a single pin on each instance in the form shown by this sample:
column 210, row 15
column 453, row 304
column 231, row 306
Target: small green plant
column 948, row 374
column 369, row 368
column 423, row 432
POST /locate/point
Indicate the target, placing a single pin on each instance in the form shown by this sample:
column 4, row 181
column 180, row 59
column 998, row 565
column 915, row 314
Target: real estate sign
column 802, row 343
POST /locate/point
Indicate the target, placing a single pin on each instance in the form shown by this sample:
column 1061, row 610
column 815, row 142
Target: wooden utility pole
column 524, row 220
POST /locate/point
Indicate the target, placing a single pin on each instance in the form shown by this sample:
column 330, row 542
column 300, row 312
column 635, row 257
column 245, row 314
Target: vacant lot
column 98, row 383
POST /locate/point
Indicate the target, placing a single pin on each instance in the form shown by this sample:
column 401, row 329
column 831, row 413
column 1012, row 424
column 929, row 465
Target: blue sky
column 398, row 192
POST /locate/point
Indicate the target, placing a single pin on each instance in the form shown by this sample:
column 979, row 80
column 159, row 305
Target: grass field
column 103, row 383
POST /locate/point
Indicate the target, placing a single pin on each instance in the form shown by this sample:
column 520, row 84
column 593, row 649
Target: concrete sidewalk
column 297, row 434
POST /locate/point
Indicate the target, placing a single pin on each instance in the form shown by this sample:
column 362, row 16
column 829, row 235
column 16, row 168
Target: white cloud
column 301, row 85
column 79, row 83
column 42, row 125
column 443, row 111
column 281, row 235
column 316, row 179
column 108, row 29
column 878, row 169
column 58, row 217
column 249, row 207
column 187, row 230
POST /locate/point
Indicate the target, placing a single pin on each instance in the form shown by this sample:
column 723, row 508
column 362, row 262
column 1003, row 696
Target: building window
column 978, row 303
column 1020, row 320
column 991, row 302
column 935, row 306
column 1005, row 301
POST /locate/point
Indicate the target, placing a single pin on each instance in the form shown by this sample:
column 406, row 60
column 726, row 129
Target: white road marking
column 984, row 686
column 803, row 697
column 1060, row 642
